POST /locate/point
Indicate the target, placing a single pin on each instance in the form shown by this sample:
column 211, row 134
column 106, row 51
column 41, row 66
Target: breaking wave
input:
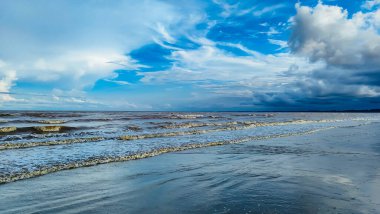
column 10, row 177
column 229, row 126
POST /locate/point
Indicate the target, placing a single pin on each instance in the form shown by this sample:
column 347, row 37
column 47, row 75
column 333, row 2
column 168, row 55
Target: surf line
column 22, row 145
column 110, row 159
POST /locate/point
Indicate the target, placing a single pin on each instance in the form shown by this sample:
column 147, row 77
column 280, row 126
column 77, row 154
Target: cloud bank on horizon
column 190, row 55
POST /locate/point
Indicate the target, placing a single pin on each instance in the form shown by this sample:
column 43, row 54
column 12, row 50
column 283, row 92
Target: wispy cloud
column 268, row 9
column 282, row 44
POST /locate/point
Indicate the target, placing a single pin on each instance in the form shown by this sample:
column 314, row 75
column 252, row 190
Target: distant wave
column 34, row 121
column 171, row 125
column 7, row 129
column 50, row 115
column 134, row 128
column 256, row 115
column 12, row 145
column 92, row 120
column 229, row 127
column 7, row 115
column 51, row 121
column 35, row 129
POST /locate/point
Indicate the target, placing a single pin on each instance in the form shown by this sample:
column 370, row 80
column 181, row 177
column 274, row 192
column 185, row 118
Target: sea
column 37, row 143
column 189, row 162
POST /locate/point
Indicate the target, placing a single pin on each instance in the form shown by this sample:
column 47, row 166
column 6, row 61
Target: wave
column 13, row 145
column 166, row 134
column 173, row 116
column 256, row 115
column 191, row 125
column 171, row 125
column 109, row 159
column 7, row 115
column 33, row 121
column 50, row 114
column 241, row 126
column 51, row 121
column 43, row 129
column 9, row 145
column 35, row 129
column 134, row 128
column 7, row 129
column 93, row 120
column 186, row 116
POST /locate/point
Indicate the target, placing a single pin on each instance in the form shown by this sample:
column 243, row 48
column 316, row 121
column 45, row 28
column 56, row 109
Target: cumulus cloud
column 349, row 45
column 327, row 33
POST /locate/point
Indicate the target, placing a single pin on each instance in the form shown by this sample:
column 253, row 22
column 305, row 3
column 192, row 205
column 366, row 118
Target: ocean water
column 38, row 143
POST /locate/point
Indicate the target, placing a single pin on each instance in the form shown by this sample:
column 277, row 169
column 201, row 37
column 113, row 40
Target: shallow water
column 329, row 171
column 38, row 143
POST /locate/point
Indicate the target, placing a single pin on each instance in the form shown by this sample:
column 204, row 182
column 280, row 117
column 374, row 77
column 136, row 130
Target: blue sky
column 189, row 55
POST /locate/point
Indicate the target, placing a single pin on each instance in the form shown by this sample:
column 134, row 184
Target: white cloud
column 237, row 10
column 349, row 45
column 164, row 33
column 72, row 69
column 7, row 79
column 118, row 82
column 272, row 31
column 237, row 74
column 5, row 85
column 228, row 9
column 269, row 9
column 282, row 44
column 327, row 33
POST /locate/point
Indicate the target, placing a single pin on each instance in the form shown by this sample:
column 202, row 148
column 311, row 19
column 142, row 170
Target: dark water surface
column 310, row 163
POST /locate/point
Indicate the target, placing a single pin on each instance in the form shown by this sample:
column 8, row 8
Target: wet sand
column 331, row 171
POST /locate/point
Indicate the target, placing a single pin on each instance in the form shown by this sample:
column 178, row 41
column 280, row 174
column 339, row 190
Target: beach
column 201, row 106
column 334, row 170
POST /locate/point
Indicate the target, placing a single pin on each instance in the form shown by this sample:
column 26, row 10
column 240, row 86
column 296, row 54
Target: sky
column 189, row 55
